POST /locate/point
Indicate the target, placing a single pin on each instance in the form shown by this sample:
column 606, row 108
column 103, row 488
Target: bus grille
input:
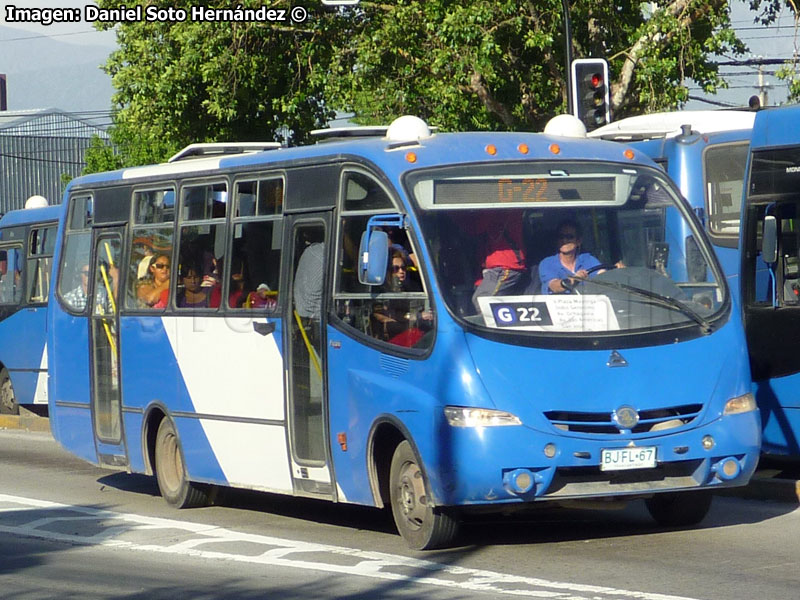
column 654, row 419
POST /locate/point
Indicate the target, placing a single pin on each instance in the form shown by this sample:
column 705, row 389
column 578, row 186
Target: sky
column 74, row 33
column 774, row 42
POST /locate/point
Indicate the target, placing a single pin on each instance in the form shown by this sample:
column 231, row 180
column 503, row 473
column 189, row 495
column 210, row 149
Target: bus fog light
column 740, row 404
column 550, row 450
column 519, row 481
column 708, row 442
column 728, row 468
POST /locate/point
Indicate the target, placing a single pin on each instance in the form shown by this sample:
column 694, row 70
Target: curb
column 773, row 488
column 25, row 422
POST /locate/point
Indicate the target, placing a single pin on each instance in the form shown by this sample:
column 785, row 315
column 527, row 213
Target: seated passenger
column 193, row 295
column 236, row 289
column 568, row 262
column 263, row 297
column 77, row 297
column 502, row 256
column 153, row 289
column 397, row 277
column 398, row 321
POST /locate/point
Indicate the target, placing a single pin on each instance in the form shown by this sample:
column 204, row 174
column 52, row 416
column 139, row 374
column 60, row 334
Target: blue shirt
column 551, row 268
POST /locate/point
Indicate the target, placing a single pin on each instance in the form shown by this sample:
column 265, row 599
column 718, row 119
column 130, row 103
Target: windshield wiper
column 658, row 299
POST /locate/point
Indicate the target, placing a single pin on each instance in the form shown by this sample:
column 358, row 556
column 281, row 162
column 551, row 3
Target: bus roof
column 23, row 216
column 668, row 124
column 395, row 157
column 776, row 126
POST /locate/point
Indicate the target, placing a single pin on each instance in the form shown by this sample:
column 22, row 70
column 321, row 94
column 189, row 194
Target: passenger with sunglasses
column 397, row 277
column 153, row 289
column 568, row 263
column 398, row 320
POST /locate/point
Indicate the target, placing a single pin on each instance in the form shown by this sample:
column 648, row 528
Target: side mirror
column 769, row 240
column 373, row 257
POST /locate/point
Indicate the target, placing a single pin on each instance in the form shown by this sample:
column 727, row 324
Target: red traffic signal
column 590, row 93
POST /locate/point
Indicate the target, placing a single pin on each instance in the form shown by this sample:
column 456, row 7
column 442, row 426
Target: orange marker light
column 523, row 148
column 555, row 149
column 491, row 149
column 629, row 154
column 411, row 157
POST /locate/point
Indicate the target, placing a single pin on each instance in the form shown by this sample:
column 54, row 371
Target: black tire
column 421, row 526
column 8, row 401
column 679, row 509
column 173, row 482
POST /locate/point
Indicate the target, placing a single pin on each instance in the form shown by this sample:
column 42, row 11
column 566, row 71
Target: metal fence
column 38, row 149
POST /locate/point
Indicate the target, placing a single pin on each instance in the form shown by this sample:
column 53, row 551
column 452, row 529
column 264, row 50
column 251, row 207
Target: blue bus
column 770, row 279
column 705, row 153
column 719, row 159
column 407, row 348
column 27, row 242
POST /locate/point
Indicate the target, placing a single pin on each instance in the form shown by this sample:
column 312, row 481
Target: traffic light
column 590, row 101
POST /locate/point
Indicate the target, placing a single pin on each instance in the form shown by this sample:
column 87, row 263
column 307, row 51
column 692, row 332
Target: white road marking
column 124, row 531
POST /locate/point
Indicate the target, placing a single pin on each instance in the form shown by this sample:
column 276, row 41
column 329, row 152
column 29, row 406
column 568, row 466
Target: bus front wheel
column 422, row 526
column 8, row 401
column 679, row 509
column 173, row 481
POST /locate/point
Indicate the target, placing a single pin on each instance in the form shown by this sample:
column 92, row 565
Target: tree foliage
column 189, row 81
column 500, row 63
column 460, row 64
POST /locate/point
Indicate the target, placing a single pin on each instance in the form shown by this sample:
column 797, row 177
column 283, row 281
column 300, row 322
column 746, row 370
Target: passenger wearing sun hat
column 263, row 297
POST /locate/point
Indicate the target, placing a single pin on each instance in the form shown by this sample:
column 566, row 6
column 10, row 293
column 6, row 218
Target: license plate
column 619, row 459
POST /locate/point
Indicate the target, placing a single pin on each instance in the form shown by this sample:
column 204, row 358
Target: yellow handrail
column 311, row 352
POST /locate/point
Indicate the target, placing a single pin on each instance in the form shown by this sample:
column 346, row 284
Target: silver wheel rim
column 411, row 495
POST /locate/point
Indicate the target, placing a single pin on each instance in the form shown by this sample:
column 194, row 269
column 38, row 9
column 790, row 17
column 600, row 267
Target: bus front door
column 305, row 360
column 104, row 341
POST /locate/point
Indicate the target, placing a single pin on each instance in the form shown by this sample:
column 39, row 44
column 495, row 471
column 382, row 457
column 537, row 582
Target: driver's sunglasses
column 161, row 266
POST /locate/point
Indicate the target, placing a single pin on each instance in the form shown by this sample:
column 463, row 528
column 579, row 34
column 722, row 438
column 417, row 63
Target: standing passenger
column 503, row 258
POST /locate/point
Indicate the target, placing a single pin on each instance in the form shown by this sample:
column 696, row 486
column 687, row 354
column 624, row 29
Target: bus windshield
column 546, row 249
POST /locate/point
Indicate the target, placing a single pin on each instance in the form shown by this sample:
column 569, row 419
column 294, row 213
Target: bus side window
column 154, row 213
column 73, row 276
column 148, row 244
column 257, row 243
column 397, row 311
column 10, row 275
column 42, row 244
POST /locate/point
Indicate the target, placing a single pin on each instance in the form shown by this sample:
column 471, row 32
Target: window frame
column 375, row 297
column 39, row 258
column 277, row 219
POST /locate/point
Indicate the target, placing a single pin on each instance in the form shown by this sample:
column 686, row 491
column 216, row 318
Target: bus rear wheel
column 680, row 509
column 422, row 526
column 173, row 481
column 8, row 401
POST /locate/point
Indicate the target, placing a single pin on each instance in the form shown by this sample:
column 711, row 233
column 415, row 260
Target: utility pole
column 568, row 55
column 762, row 87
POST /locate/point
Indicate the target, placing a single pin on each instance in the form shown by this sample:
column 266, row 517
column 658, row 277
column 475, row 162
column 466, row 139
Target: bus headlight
column 462, row 416
column 740, row 404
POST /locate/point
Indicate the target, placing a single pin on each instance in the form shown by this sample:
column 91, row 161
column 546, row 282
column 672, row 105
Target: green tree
column 500, row 63
column 461, row 64
column 188, row 81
